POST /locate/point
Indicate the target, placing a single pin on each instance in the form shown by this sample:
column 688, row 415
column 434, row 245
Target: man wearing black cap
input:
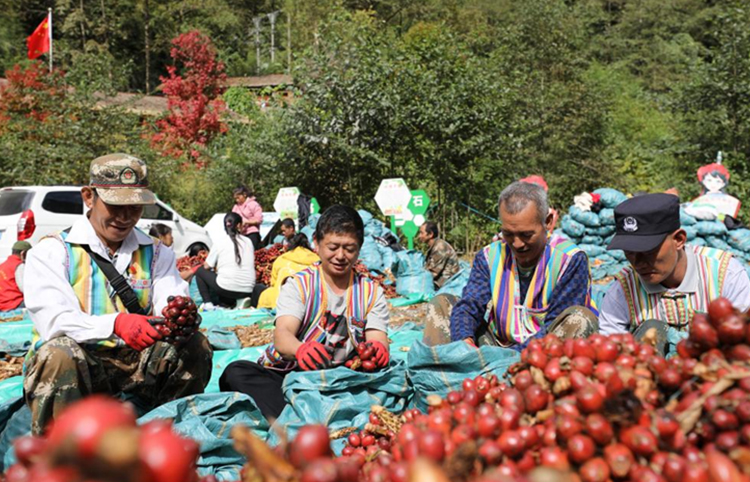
column 666, row 280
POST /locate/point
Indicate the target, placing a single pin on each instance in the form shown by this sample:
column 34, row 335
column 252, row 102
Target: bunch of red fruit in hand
column 366, row 358
column 181, row 320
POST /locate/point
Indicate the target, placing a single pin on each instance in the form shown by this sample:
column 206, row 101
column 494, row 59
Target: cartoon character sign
column 714, row 179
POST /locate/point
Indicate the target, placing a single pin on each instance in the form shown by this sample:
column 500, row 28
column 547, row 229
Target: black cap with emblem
column 643, row 222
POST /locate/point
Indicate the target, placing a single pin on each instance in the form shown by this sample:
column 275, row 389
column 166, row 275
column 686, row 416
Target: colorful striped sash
column 92, row 289
column 360, row 298
column 676, row 309
column 512, row 319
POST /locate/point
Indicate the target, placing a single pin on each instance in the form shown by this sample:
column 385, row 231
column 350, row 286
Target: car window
column 63, row 202
column 14, row 202
column 156, row 211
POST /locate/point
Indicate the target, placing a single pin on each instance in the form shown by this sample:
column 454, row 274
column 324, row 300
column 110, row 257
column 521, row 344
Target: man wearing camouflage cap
column 85, row 339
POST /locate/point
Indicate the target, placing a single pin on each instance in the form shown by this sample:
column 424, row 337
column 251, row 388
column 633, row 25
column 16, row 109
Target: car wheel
column 195, row 248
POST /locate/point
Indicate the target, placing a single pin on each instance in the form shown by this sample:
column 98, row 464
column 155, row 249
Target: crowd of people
column 94, row 332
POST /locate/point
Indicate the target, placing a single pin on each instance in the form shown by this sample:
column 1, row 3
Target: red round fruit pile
column 187, row 263
column 181, row 320
column 97, row 439
column 364, row 359
column 264, row 259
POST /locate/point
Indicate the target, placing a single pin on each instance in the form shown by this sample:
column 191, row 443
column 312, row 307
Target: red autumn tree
column 32, row 92
column 193, row 89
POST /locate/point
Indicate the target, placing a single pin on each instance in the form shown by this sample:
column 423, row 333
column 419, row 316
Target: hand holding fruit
column 181, row 320
column 371, row 355
column 311, row 355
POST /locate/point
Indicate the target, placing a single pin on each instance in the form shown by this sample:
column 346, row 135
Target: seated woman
column 298, row 257
column 163, row 233
column 229, row 271
column 321, row 314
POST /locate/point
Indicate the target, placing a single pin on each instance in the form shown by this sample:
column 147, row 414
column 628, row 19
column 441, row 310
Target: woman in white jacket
column 229, row 271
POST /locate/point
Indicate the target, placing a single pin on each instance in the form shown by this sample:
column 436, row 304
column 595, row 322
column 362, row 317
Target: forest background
column 459, row 97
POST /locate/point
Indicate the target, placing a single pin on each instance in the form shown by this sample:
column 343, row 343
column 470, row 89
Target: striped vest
column 91, row 287
column 360, row 298
column 676, row 309
column 515, row 320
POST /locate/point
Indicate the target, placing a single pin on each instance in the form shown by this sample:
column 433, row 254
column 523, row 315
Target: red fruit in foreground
column 83, row 423
column 321, row 470
column 581, row 448
column 640, row 440
column 554, row 457
column 535, row 398
column 312, row 442
column 29, row 448
column 432, row 445
column 718, row 310
column 732, row 330
column 703, row 333
column 595, row 470
column 619, row 458
column 589, row 399
column 490, row 452
column 721, row 468
column 511, row 443
column 166, row 456
column 599, row 428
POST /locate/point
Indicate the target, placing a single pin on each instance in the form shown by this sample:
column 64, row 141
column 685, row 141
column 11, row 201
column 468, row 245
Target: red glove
column 382, row 355
column 312, row 355
column 470, row 342
column 136, row 331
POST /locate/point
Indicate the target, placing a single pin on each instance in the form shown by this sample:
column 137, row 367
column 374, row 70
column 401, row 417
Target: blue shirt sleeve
column 572, row 289
column 468, row 314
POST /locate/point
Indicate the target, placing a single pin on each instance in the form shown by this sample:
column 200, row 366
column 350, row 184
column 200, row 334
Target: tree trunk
column 83, row 28
column 147, row 43
column 106, row 33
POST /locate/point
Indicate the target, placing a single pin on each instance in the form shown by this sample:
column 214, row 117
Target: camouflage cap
column 121, row 179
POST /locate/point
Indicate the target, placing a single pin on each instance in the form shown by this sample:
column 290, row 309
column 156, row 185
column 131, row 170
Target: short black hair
column 287, row 222
column 158, row 230
column 340, row 219
column 431, row 228
column 242, row 189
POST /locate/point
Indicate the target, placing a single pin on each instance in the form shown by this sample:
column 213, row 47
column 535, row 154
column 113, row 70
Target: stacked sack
column 592, row 232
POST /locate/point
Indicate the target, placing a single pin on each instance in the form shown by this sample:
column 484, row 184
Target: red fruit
column 742, row 411
column 578, row 380
column 462, row 434
column 535, row 398
column 739, row 352
column 583, row 348
column 639, row 440
column 581, row 448
column 567, row 426
column 537, row 359
column 555, row 458
column 512, row 398
column 731, row 330
column 468, row 384
column 354, row 440
column 703, row 333
column 368, row 365
column 472, row 398
column 511, row 443
column 589, row 399
column 568, row 347
column 432, row 445
column 523, row 380
column 367, row 354
column 718, row 310
column 509, row 419
column 674, row 468
column 399, row 472
column 595, row 470
column 688, row 348
column 553, row 371
column 614, row 385
column 603, row 371
column 530, row 437
column 84, row 422
column 728, row 441
column 464, row 413
column 721, row 468
column 29, row 448
column 625, row 361
column 599, row 428
column 312, row 442
column 490, row 452
column 488, row 426
column 619, row 458
column 666, row 424
column 321, row 470
column 481, row 386
column 166, row 456
column 670, row 379
column 368, row 440
column 606, row 351
column 347, row 468
column 583, row 364
column 724, row 420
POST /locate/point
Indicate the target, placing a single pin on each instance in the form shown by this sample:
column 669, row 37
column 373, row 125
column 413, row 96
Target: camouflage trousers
column 574, row 322
column 63, row 371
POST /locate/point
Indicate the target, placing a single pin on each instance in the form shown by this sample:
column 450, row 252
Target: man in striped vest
column 667, row 281
column 520, row 287
column 322, row 314
column 86, row 340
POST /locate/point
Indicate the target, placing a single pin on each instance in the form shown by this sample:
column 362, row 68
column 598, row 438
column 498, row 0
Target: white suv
column 32, row 212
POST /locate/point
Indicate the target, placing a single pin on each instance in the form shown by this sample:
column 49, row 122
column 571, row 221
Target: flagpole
column 49, row 29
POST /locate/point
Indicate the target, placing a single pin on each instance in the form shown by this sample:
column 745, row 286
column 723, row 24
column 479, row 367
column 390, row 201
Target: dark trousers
column 255, row 239
column 211, row 291
column 260, row 383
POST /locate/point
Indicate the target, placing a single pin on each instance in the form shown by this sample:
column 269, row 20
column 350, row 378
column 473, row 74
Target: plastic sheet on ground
column 208, row 419
column 455, row 286
column 441, row 369
column 339, row 398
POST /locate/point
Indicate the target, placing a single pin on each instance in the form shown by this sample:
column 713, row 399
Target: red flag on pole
column 39, row 41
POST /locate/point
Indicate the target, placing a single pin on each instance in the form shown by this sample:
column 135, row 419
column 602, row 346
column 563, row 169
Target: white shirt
column 53, row 306
column 230, row 275
column 615, row 316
